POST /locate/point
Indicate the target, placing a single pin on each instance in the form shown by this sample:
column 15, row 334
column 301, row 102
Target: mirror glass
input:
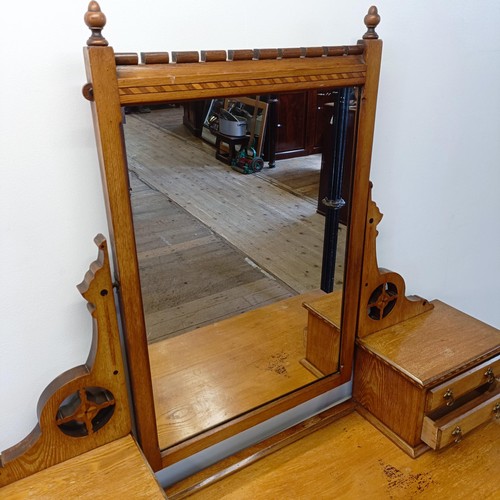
column 227, row 199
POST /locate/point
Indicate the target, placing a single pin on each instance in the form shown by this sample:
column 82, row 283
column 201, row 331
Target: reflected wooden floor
column 207, row 376
column 228, row 368
column 279, row 230
column 191, row 276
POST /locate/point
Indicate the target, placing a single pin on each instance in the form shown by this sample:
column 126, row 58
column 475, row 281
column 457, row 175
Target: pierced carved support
column 383, row 302
column 87, row 406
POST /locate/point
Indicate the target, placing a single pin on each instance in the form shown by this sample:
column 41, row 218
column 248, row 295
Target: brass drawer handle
column 457, row 432
column 496, row 410
column 490, row 376
column 449, row 398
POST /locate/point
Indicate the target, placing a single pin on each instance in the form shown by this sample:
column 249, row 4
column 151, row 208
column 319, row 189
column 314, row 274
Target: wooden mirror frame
column 116, row 80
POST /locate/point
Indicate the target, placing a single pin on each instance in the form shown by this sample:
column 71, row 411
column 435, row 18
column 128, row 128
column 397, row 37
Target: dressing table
column 372, row 334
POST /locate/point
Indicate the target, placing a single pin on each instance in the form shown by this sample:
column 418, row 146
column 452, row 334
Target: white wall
column 436, row 158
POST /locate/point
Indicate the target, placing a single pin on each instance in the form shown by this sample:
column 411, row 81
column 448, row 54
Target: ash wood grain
column 464, row 383
column 355, row 257
column 323, row 334
column 115, row 470
column 363, row 463
column 394, row 400
column 47, row 444
column 433, row 345
column 199, row 80
column 383, row 300
column 156, row 83
column 228, row 368
column 442, row 432
column 107, row 117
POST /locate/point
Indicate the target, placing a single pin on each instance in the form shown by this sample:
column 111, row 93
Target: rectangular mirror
column 213, row 244
column 199, row 189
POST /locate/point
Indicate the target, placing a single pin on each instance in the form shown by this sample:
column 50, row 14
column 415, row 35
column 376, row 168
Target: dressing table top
column 433, row 345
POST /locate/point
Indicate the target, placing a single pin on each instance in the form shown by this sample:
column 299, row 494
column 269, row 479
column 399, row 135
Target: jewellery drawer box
column 420, row 379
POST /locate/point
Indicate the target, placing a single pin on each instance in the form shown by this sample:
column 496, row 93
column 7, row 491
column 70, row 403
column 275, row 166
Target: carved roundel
column 382, row 300
column 85, row 411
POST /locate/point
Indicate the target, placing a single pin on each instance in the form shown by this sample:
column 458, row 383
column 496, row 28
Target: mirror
column 118, row 80
column 213, row 244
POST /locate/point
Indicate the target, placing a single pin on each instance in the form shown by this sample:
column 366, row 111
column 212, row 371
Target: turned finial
column 95, row 20
column 372, row 19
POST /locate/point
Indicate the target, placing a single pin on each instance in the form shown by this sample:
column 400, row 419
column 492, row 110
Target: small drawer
column 446, row 394
column 455, row 424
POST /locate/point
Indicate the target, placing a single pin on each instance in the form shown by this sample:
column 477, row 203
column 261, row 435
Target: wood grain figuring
column 383, row 300
column 171, row 82
column 228, row 368
column 451, row 428
column 488, row 372
column 115, row 470
column 232, row 464
column 323, row 334
column 279, row 231
column 143, row 84
column 350, row 459
column 47, row 444
column 412, row 451
column 191, row 276
column 395, row 401
column 107, row 117
column 355, row 258
column 445, row 339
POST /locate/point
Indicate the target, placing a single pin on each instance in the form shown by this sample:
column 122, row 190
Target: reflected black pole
column 333, row 202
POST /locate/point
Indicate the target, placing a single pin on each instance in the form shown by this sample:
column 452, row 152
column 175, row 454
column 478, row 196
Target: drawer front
column 456, row 424
column 446, row 394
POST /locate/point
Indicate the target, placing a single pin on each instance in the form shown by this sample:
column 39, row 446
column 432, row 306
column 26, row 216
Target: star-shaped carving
column 382, row 300
column 85, row 412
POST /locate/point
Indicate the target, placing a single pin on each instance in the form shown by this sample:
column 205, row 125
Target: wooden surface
column 170, row 82
column 73, row 406
column 115, row 470
column 463, row 383
column 454, row 426
column 430, row 346
column 205, row 377
column 350, row 459
column 280, row 232
column 395, row 400
column 323, row 334
column 191, row 276
column 383, row 301
column 143, row 84
column 251, row 454
column 107, row 117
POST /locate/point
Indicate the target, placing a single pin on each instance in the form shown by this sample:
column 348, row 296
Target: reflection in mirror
column 228, row 260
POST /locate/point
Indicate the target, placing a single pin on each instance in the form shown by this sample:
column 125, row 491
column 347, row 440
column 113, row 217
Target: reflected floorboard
column 191, row 276
column 230, row 365
column 228, row 368
column 279, row 230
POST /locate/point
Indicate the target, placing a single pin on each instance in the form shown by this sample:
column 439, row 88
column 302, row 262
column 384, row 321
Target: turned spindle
column 95, row 20
column 372, row 20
